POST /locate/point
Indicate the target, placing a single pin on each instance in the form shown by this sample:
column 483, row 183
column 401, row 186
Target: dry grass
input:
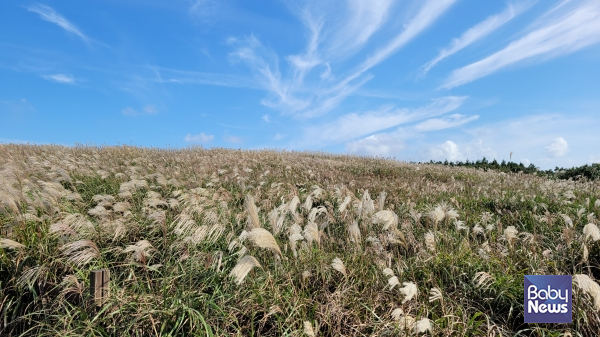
column 437, row 251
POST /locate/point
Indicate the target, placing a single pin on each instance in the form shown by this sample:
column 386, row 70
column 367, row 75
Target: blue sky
column 415, row 80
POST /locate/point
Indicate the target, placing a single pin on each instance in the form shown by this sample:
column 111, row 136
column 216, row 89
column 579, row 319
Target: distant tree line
column 590, row 172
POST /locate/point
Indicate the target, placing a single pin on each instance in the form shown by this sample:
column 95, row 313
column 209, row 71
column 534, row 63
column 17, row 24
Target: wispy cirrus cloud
column 575, row 26
column 478, row 31
column 317, row 80
column 60, row 78
column 50, row 15
column 354, row 125
column 434, row 124
column 148, row 110
column 199, row 138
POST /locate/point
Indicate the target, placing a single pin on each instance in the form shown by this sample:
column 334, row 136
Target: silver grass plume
column 409, row 291
column 423, row 325
column 252, row 211
column 368, row 204
column 73, row 225
column 308, row 329
column 294, row 204
column 293, row 239
column 510, row 234
column 460, row 225
column 185, row 224
column 273, row 217
column 590, row 287
column 430, row 241
column 338, row 265
column 344, row 204
column 393, row 281
column 308, row 203
column 381, row 200
column 33, row 275
column 483, row 280
column 397, row 314
column 435, row 294
column 388, row 272
column 311, row 233
column 591, row 231
column 388, row 218
column 80, row 252
column 141, row 250
column 10, row 244
column 264, row 239
column 567, row 220
column 315, row 212
column 436, row 215
column 243, row 267
column 354, row 232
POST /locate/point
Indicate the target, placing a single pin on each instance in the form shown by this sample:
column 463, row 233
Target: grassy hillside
column 265, row 243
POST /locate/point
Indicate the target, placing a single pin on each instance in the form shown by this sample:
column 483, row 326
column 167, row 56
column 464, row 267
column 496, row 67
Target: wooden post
column 99, row 285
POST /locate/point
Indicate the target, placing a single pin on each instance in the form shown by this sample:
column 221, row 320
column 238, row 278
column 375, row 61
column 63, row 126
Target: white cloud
column 446, row 151
column 572, row 30
column 429, row 12
column 451, row 121
column 16, row 107
column 50, row 15
column 451, row 151
column 60, row 78
column 558, row 148
column 335, row 31
column 199, row 138
column 377, row 145
column 150, row 109
column 232, row 139
column 353, row 125
column 266, row 118
column 278, row 136
column 477, row 32
column 129, row 111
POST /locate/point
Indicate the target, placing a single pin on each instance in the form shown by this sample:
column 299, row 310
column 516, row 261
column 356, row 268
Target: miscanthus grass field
column 269, row 243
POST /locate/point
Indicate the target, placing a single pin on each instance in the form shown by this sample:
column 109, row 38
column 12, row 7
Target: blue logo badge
column 548, row 298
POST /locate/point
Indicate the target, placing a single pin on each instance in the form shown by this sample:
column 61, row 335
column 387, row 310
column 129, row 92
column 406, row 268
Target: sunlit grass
column 268, row 243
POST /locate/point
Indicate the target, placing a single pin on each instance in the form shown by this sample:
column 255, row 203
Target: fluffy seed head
column 252, row 211
column 510, row 233
column 423, row 325
column 264, row 239
column 311, row 233
column 354, row 232
column 397, row 313
column 10, row 244
column 338, row 265
column 437, row 214
column 589, row 286
column 141, row 250
column 591, row 231
column 388, row 272
column 393, row 281
column 243, row 267
column 567, row 220
column 430, row 241
column 483, row 280
column 409, row 291
column 308, row 329
column 81, row 252
column 388, row 218
column 344, row 204
column 435, row 294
